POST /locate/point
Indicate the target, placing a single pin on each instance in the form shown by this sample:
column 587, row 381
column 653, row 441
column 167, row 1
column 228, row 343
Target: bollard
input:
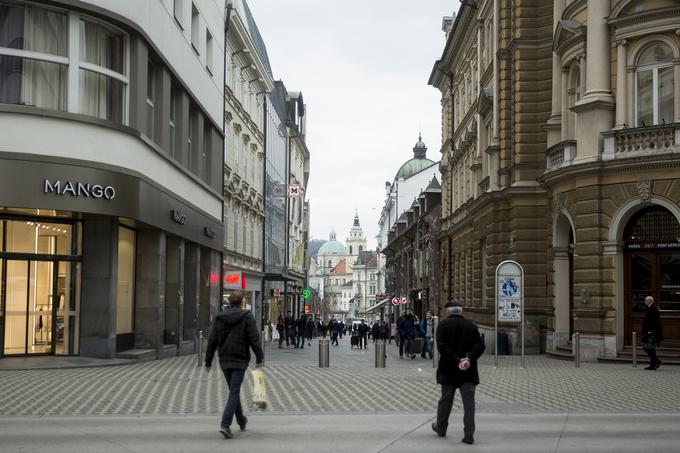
column 199, row 348
column 324, row 353
column 380, row 354
column 435, row 351
column 634, row 349
column 577, row 349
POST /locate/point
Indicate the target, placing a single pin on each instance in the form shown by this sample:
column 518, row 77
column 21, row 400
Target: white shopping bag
column 259, row 392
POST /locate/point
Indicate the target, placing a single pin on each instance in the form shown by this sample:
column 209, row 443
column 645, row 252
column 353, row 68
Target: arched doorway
column 563, row 267
column 652, row 268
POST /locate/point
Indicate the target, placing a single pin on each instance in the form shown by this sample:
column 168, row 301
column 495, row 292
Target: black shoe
column 656, row 367
column 650, row 367
column 468, row 440
column 435, row 428
column 226, row 432
column 243, row 425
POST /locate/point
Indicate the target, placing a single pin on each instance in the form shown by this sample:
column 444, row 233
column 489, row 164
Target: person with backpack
column 233, row 335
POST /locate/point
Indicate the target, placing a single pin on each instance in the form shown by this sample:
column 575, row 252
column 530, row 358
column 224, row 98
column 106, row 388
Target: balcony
column 560, row 154
column 641, row 141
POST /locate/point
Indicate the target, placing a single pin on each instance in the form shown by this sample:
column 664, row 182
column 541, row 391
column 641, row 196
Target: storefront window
column 669, row 298
column 38, row 238
column 125, row 307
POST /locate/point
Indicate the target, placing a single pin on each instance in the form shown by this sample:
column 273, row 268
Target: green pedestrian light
column 306, row 293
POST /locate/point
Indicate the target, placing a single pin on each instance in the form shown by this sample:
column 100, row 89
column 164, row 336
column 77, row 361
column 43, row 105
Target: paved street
column 548, row 406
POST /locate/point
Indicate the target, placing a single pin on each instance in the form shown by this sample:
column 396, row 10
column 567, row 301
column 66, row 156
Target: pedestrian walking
column 651, row 333
column 342, row 329
column 406, row 326
column 309, row 329
column 460, row 345
column 363, row 333
column 384, row 330
column 334, row 327
column 300, row 325
column 290, row 330
column 281, row 328
column 375, row 331
column 233, row 335
column 426, row 326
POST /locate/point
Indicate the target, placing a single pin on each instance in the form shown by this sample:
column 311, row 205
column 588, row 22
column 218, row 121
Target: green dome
column 413, row 166
column 331, row 247
column 418, row 163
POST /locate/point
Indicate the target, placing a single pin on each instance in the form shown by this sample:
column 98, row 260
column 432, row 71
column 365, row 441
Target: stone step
column 642, row 360
column 560, row 354
column 137, row 354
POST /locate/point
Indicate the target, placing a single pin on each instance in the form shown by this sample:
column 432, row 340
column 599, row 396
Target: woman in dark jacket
column 652, row 326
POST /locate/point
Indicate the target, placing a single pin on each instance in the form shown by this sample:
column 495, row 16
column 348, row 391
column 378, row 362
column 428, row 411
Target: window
column 125, row 303
column 150, row 96
column 206, row 153
column 235, row 233
column 179, row 12
column 226, row 142
column 174, row 100
column 226, row 225
column 245, row 242
column 208, row 52
column 655, row 86
column 195, row 30
column 102, row 71
column 39, row 81
column 193, row 139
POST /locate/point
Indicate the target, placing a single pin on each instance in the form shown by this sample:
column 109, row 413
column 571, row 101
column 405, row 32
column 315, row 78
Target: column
column 598, row 76
column 621, row 76
column 150, row 290
column 556, row 115
column 676, row 73
column 174, row 291
column 564, row 95
column 99, row 287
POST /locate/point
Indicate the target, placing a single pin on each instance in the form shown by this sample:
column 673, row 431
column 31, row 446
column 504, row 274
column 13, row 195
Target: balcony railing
column 641, row 141
column 561, row 154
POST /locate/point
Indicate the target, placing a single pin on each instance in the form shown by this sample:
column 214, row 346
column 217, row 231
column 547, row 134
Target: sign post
column 509, row 299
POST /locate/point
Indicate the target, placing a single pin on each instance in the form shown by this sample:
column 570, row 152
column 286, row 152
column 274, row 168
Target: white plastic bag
column 259, row 391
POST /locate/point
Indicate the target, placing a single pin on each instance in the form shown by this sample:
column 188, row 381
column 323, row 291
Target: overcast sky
column 362, row 67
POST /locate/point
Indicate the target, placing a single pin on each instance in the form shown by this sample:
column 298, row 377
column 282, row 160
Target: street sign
column 307, row 309
column 294, row 191
column 306, row 293
column 509, row 298
column 395, row 301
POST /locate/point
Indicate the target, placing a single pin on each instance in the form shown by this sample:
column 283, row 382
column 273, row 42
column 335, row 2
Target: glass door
column 15, row 284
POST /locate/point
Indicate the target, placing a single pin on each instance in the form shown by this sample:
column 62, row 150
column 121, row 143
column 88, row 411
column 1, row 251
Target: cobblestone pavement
column 297, row 385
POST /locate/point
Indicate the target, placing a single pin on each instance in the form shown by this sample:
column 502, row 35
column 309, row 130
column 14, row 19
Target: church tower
column 356, row 242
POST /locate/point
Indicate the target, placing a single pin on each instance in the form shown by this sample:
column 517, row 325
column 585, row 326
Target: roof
column 242, row 7
column 419, row 162
column 340, row 268
column 365, row 257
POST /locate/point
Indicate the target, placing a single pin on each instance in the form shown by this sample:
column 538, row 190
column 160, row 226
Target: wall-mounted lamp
column 258, row 79
column 240, row 51
column 585, row 295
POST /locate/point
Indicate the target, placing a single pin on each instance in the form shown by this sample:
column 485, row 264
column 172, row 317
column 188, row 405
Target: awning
column 378, row 305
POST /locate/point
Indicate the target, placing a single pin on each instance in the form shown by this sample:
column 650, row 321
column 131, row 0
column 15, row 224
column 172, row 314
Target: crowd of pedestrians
column 296, row 331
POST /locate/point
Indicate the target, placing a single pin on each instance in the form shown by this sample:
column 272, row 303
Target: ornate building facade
column 494, row 77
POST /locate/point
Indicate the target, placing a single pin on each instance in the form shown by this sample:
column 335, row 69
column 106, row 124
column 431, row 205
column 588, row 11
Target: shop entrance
column 33, row 301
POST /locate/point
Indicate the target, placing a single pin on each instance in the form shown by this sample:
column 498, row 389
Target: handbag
column 648, row 341
column 259, row 390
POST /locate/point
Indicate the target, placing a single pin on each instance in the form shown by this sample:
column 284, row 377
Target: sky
column 362, row 67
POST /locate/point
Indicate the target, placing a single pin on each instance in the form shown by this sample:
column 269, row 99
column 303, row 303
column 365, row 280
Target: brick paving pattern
column 297, row 385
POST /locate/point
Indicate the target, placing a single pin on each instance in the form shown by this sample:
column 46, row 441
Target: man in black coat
column 651, row 325
column 233, row 334
column 460, row 345
column 363, row 333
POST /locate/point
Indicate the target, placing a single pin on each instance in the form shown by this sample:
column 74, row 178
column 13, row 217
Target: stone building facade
column 612, row 172
column 494, row 76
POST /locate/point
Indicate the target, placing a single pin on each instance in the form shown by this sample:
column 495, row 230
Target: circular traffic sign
column 306, row 293
column 395, row 301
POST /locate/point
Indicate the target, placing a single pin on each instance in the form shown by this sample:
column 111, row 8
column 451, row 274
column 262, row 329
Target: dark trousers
column 427, row 347
column 653, row 358
column 363, row 341
column 281, row 335
column 467, row 393
column 409, row 344
column 301, row 340
column 335, row 339
column 234, row 378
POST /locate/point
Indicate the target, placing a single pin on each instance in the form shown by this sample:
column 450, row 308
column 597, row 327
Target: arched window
column 653, row 224
column 350, row 249
column 655, row 86
column 361, row 248
column 329, row 263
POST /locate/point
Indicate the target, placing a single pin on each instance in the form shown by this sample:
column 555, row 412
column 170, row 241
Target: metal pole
column 199, row 348
column 380, row 354
column 634, row 349
column 495, row 318
column 324, row 351
column 435, row 350
column 577, row 349
column 522, row 310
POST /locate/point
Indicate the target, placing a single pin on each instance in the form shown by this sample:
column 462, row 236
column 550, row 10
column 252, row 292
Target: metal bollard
column 435, row 351
column 380, row 355
column 324, row 353
column 199, row 348
column 577, row 349
column 634, row 349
